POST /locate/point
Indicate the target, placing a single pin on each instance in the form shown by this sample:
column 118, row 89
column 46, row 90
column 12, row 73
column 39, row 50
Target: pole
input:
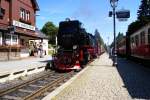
column 115, row 49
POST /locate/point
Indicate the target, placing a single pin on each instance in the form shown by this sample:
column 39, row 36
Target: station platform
column 21, row 67
column 98, row 81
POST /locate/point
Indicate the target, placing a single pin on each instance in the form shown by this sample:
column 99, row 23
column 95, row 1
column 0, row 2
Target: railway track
column 37, row 88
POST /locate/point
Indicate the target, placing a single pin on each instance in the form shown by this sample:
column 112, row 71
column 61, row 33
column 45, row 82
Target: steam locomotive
column 76, row 47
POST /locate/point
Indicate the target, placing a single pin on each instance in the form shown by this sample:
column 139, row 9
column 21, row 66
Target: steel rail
column 47, row 87
column 18, row 86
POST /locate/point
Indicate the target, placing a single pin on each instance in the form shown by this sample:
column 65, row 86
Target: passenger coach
column 140, row 43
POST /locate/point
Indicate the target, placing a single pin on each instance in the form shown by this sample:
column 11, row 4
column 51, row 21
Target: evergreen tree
column 143, row 17
column 144, row 11
column 120, row 36
column 98, row 37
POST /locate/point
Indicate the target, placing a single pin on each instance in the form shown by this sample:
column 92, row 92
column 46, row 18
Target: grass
column 50, row 52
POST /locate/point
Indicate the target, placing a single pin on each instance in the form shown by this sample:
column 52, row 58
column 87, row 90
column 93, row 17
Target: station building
column 17, row 28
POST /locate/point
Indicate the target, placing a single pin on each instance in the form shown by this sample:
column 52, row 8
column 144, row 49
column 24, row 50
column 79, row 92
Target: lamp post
column 114, row 5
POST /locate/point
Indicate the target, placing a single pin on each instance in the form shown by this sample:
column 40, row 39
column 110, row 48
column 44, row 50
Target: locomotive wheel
column 50, row 65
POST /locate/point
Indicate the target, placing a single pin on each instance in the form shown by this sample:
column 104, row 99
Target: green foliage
column 97, row 35
column 143, row 17
column 50, row 46
column 51, row 52
column 134, row 26
column 120, row 36
column 144, row 10
column 51, row 31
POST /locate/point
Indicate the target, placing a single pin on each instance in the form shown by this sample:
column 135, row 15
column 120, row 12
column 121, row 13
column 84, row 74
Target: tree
column 134, row 26
column 51, row 31
column 97, row 35
column 144, row 11
column 120, row 36
column 143, row 17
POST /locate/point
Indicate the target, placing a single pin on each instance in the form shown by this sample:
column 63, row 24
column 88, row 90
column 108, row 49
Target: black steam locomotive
column 75, row 46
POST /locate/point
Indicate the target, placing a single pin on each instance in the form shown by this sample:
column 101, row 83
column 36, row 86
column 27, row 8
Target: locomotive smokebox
column 70, row 33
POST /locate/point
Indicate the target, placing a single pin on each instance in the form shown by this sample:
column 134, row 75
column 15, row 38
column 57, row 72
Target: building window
column 8, row 39
column 14, row 39
column 11, row 39
column 22, row 14
column 1, row 41
column 27, row 15
column 142, row 35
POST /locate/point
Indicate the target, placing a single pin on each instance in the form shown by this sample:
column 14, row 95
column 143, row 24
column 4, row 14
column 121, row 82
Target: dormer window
column 25, row 16
column 22, row 14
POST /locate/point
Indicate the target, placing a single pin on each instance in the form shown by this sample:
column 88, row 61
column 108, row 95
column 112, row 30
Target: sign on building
column 23, row 25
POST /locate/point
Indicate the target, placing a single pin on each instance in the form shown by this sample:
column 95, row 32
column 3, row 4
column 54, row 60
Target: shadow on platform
column 136, row 78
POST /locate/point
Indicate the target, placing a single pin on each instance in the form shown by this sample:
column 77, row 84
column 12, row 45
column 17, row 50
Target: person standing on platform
column 41, row 50
column 35, row 50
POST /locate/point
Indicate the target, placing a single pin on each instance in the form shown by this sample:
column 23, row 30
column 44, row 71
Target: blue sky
column 92, row 13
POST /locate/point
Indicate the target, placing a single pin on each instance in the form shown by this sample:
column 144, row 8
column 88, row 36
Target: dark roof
column 40, row 34
column 36, row 5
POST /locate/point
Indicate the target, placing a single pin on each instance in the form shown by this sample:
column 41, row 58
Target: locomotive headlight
column 75, row 47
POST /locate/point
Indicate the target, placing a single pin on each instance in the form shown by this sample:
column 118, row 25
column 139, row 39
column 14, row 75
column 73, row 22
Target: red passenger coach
column 139, row 44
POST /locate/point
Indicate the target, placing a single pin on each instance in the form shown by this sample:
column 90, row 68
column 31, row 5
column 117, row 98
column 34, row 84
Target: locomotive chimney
column 68, row 19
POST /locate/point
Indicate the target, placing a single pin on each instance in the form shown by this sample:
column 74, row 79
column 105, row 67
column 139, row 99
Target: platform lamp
column 114, row 4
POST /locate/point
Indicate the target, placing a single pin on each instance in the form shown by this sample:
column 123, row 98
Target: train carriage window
column 132, row 42
column 149, row 35
column 137, row 40
column 0, row 38
column 142, row 35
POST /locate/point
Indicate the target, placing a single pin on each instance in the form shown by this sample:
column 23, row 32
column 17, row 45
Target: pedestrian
column 35, row 49
column 41, row 50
